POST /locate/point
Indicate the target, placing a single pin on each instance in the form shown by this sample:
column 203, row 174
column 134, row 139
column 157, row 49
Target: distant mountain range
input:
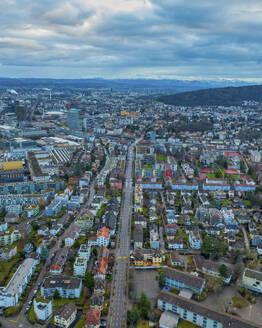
column 217, row 96
column 157, row 85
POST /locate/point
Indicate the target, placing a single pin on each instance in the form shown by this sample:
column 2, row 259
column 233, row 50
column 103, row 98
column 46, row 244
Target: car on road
column 26, row 309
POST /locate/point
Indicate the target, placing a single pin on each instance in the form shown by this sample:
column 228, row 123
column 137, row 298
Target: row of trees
column 141, row 311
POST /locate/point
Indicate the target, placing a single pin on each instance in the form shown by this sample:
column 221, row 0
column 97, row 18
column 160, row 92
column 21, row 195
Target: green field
column 143, row 324
column 161, row 158
column 185, row 324
column 239, row 302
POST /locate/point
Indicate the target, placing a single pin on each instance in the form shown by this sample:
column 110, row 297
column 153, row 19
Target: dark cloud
column 129, row 38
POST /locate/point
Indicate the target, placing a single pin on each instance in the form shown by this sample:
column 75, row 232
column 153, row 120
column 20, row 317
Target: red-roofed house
column 231, row 171
column 93, row 318
column 230, row 153
column 171, row 227
column 103, row 237
column 102, row 263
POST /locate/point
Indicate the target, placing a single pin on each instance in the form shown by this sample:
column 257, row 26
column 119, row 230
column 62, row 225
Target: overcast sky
column 207, row 39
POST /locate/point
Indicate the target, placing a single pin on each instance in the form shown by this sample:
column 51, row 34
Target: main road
column 119, row 289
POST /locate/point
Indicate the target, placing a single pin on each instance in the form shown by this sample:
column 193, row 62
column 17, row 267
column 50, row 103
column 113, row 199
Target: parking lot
column 145, row 281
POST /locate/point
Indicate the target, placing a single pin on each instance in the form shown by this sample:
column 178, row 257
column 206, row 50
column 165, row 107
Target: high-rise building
column 73, row 120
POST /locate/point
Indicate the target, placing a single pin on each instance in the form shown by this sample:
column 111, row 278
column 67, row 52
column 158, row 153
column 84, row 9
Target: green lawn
column 77, row 301
column 143, row 324
column 31, row 315
column 247, row 203
column 185, row 324
column 148, row 166
column 239, row 302
column 161, row 158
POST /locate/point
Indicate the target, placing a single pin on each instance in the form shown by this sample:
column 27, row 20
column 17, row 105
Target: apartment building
column 65, row 316
column 9, row 295
column 199, row 314
column 181, row 280
column 80, row 266
column 68, row 287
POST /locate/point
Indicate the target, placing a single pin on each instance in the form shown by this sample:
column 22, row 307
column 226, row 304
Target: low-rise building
column 31, row 210
column 72, row 235
column 100, row 268
column 175, row 259
column 65, row 315
column 199, row 314
column 182, row 280
column 84, row 251
column 43, row 308
column 54, row 208
column 80, row 266
column 175, row 244
column 195, row 240
column 8, row 237
column 252, row 280
column 93, row 318
column 99, row 287
column 97, row 302
column 168, row 319
column 9, row 295
column 103, row 237
column 59, row 261
column 8, row 252
column 138, row 237
column 68, row 287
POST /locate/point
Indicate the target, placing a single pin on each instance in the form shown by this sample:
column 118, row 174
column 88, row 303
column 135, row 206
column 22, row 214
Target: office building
column 73, row 120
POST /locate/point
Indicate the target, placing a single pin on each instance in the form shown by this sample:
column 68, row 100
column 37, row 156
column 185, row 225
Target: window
column 174, row 308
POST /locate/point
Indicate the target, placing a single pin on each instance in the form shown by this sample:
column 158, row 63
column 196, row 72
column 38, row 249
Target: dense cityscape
column 118, row 210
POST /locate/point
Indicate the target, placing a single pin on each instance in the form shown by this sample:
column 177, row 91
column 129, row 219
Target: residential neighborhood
column 122, row 211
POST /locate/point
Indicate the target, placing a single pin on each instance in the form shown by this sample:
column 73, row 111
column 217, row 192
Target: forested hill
column 218, row 96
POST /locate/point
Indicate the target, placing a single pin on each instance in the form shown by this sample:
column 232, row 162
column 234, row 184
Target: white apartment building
column 80, row 266
column 9, row 295
column 43, row 308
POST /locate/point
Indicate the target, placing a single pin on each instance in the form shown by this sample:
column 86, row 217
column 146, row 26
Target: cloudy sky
column 206, row 39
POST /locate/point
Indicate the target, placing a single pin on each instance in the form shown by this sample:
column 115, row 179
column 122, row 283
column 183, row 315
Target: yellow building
column 126, row 113
column 14, row 165
column 157, row 259
column 139, row 262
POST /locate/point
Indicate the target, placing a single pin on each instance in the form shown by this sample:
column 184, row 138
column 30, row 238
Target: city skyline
column 131, row 39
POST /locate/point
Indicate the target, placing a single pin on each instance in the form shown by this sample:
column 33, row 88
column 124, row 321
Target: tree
column 77, row 170
column 223, row 271
column 218, row 173
column 56, row 295
column 77, row 243
column 44, row 253
column 133, row 316
column 235, row 253
column 144, row 306
column 242, row 167
column 94, row 251
column 206, row 247
column 237, row 271
column 220, row 247
column 161, row 278
column 89, row 280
